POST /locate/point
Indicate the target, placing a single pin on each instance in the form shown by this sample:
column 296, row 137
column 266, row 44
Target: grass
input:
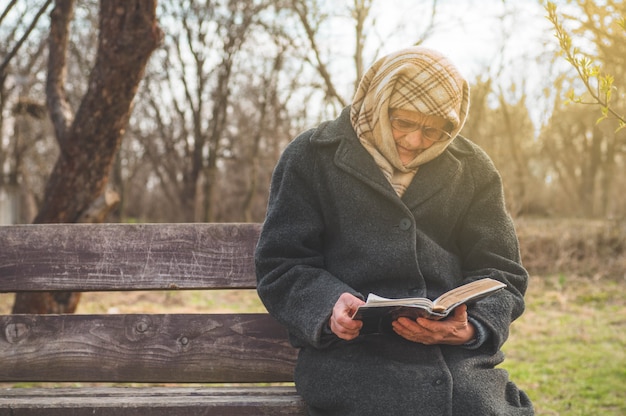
column 568, row 351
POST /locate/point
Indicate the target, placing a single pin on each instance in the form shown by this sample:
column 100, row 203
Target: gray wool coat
column 334, row 224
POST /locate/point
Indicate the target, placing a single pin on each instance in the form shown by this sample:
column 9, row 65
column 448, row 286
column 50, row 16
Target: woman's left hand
column 454, row 330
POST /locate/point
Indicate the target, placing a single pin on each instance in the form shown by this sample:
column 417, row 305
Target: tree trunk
column 89, row 141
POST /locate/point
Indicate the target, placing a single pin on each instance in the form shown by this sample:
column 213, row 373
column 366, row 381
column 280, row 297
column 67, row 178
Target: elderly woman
column 389, row 199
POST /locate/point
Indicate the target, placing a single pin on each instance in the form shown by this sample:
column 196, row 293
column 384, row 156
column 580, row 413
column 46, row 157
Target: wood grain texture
column 106, row 257
column 154, row 401
column 178, row 348
column 144, row 348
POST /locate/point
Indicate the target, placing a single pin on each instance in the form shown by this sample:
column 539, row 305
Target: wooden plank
column 184, row 348
column 153, row 401
column 103, row 257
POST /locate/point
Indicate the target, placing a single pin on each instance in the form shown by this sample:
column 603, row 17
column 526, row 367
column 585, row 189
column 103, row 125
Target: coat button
column 438, row 382
column 405, row 224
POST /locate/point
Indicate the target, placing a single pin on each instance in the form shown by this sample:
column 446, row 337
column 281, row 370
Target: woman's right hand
column 341, row 322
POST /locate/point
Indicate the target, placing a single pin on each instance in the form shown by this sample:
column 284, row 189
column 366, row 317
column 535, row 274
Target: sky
column 489, row 30
column 473, row 33
column 513, row 43
column 496, row 38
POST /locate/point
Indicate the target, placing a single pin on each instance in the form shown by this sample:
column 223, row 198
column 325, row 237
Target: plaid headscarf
column 414, row 79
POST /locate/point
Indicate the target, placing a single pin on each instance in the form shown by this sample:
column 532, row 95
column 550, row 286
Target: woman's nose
column 415, row 137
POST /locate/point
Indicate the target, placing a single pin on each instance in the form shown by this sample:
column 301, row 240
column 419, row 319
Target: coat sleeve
column 291, row 279
column 490, row 248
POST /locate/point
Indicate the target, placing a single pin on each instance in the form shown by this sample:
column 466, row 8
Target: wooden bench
column 242, row 362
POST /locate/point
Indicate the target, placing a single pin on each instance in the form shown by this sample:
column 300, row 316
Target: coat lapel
column 352, row 157
column 431, row 178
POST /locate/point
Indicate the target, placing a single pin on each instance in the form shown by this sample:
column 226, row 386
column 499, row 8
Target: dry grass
column 595, row 249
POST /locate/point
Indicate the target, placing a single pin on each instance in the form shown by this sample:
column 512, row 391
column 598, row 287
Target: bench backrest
column 175, row 348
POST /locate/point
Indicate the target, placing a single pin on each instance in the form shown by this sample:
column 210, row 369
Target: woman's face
column 410, row 144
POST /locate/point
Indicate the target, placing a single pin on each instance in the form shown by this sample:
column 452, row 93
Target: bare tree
column 21, row 51
column 89, row 139
column 186, row 139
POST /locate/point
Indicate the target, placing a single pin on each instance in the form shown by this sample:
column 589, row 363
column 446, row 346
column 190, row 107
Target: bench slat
column 154, row 401
column 186, row 348
column 108, row 257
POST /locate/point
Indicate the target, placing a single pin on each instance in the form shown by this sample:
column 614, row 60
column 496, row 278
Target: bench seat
column 153, row 401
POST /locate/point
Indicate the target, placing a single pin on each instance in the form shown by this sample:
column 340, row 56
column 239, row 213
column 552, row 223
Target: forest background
column 226, row 84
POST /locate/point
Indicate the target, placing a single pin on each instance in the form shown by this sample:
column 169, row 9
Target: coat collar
column 431, row 178
column 352, row 157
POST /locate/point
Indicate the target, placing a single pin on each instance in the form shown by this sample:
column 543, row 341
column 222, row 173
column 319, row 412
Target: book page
column 467, row 292
column 374, row 300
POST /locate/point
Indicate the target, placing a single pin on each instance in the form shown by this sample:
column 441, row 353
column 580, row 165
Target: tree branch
column 58, row 105
column 586, row 71
column 331, row 91
column 18, row 45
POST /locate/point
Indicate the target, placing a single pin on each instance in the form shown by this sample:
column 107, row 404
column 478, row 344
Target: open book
column 379, row 312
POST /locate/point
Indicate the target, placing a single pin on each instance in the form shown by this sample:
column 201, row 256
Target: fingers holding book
column 341, row 322
column 454, row 330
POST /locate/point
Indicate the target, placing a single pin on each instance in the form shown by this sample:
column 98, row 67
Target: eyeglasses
column 431, row 133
